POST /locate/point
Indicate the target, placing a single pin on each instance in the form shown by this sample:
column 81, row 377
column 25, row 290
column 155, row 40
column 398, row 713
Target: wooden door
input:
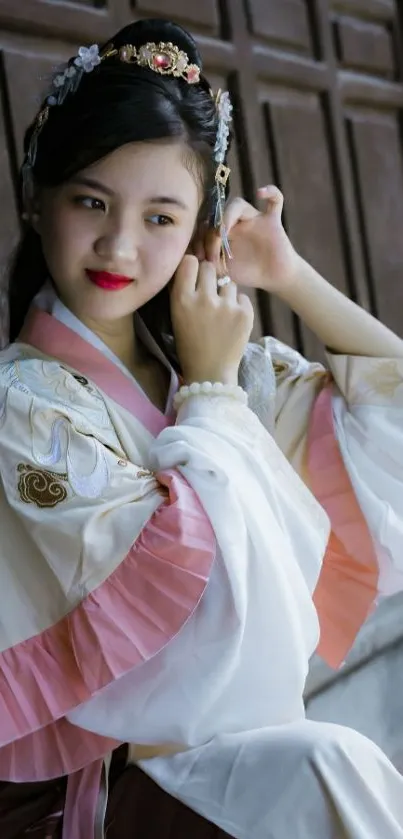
column 318, row 90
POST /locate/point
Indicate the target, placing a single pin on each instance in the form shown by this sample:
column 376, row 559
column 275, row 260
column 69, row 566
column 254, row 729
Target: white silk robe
column 164, row 580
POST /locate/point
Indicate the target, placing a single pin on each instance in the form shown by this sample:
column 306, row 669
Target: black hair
column 115, row 104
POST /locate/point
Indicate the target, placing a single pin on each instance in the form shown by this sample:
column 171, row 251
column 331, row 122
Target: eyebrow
column 83, row 180
column 168, row 199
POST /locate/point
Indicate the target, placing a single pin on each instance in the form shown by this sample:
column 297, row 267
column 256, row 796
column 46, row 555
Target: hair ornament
column 224, row 110
column 69, row 80
column 163, row 58
column 166, row 59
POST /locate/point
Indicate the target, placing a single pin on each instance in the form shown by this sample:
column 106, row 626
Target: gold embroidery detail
column 145, row 473
column 280, row 367
column 384, row 378
column 160, row 488
column 40, row 487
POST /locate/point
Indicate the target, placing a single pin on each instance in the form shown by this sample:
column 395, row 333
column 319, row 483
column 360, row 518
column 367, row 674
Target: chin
column 106, row 311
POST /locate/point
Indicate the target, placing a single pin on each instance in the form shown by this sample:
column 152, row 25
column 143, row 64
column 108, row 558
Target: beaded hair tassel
column 163, row 58
column 224, row 110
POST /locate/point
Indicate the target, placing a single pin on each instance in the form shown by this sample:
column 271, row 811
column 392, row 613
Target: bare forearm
column 340, row 324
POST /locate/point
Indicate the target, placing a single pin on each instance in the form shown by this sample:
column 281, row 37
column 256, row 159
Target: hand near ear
column 263, row 256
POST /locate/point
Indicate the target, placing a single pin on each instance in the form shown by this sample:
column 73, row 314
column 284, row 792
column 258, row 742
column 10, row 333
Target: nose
column 118, row 246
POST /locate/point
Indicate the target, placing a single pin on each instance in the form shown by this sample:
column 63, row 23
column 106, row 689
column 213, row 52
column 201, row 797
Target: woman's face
column 132, row 215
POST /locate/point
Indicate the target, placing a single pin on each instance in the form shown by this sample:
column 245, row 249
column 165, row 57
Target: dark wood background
column 318, row 88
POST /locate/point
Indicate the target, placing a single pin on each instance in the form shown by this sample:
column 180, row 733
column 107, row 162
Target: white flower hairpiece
column 88, row 58
column 68, row 81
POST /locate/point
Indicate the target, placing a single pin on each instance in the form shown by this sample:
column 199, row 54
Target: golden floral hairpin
column 163, row 58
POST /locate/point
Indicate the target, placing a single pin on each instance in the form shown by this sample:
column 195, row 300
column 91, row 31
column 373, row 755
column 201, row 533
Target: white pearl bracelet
column 209, row 389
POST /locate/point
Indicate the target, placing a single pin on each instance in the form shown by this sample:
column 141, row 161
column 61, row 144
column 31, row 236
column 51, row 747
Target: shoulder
column 27, row 379
column 23, row 371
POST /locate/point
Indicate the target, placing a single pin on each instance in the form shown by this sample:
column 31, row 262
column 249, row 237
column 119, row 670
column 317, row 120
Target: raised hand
column 263, row 256
column 211, row 325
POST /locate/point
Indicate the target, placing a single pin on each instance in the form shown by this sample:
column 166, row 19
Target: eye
column 90, row 203
column 160, row 220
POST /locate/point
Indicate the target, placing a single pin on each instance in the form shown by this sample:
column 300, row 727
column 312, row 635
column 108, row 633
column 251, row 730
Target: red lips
column 109, row 282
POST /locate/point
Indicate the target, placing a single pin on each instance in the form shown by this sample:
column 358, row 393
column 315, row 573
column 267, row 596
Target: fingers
column 229, row 292
column 273, row 197
column 212, row 246
column 238, row 210
column 207, row 279
column 199, row 251
column 192, row 276
column 245, row 303
column 207, row 283
column 186, row 275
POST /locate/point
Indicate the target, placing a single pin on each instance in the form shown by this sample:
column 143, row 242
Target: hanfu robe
column 164, row 578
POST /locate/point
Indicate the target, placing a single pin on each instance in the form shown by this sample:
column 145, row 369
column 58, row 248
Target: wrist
column 280, row 273
column 296, row 282
column 210, row 389
column 226, row 377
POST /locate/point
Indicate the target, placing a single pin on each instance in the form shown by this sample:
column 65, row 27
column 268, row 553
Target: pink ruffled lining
column 59, row 748
column 53, row 338
column 124, row 622
column 348, row 583
column 53, row 752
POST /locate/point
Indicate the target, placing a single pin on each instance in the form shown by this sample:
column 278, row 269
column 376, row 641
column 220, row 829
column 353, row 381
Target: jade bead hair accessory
column 163, row 58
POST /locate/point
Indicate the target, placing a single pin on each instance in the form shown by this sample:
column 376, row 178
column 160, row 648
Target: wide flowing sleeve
column 367, row 408
column 342, row 428
column 355, row 467
column 102, row 564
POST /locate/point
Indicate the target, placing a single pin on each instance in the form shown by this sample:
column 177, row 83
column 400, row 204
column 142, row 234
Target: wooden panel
column 27, row 76
column 377, row 150
column 9, row 228
column 297, row 135
column 365, row 46
column 95, row 4
column 283, row 21
column 57, row 19
column 368, row 9
column 203, row 13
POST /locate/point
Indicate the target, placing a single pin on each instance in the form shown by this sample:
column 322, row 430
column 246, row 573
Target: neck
column 120, row 337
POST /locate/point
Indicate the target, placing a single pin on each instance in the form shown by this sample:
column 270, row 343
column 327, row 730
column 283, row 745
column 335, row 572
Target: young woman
column 160, row 552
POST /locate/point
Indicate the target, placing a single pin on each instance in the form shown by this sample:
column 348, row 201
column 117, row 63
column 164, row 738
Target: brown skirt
column 137, row 809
